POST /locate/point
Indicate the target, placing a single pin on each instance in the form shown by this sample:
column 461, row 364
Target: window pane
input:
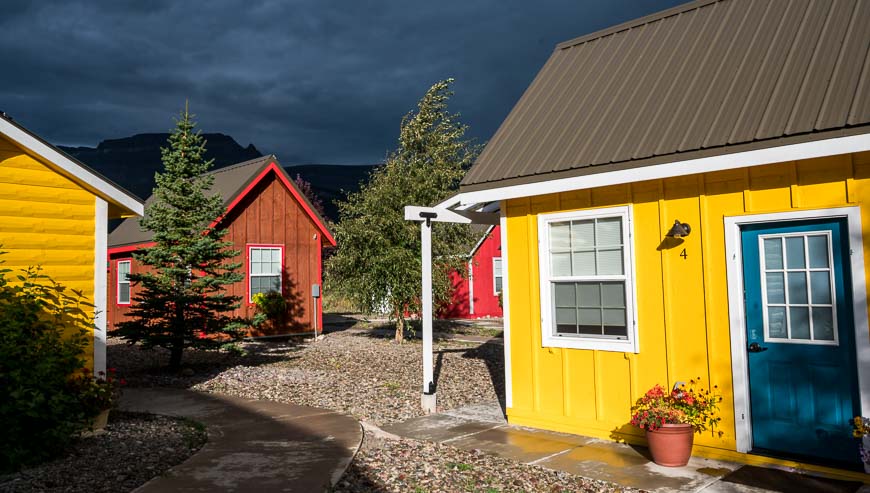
column 589, row 317
column 800, row 322
column 584, row 263
column 773, row 253
column 582, row 235
column 561, row 264
column 273, row 283
column 797, row 287
column 276, row 255
column 589, row 294
column 564, row 294
column 123, row 270
column 496, row 267
column 818, row 246
column 610, row 262
column 776, row 322
column 256, row 255
column 821, row 287
column 124, row 293
column 613, row 294
column 775, row 287
column 823, row 324
column 559, row 237
column 275, row 267
column 794, row 252
column 614, row 330
column 566, row 329
column 614, row 317
column 498, row 284
column 608, row 232
column 256, row 267
column 566, row 316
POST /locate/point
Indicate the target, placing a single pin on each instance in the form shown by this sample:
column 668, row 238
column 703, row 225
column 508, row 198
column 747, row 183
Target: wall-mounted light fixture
column 678, row 230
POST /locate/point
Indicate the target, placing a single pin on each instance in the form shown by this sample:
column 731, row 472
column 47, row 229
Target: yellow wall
column 47, row 220
column 682, row 320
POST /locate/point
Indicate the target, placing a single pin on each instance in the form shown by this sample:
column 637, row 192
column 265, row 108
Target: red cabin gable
column 478, row 296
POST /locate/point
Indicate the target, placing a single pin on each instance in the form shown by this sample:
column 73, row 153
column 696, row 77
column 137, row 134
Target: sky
column 312, row 81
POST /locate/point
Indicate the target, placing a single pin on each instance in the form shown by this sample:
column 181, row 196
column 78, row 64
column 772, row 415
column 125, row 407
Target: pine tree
column 182, row 300
column 377, row 263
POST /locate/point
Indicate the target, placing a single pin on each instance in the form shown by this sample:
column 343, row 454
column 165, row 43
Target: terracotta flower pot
column 101, row 420
column 671, row 445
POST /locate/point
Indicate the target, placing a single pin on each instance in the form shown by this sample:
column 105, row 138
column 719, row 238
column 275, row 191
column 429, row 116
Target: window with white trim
column 587, row 288
column 123, row 279
column 497, row 277
column 264, row 270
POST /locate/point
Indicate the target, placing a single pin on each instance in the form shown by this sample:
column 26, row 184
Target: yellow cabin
column 688, row 195
column 54, row 213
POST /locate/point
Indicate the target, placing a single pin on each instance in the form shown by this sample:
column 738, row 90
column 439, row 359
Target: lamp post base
column 427, row 401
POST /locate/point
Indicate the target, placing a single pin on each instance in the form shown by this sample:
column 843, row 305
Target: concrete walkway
column 256, row 446
column 483, row 427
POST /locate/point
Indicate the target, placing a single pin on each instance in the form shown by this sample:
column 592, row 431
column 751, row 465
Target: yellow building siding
column 46, row 220
column 683, row 319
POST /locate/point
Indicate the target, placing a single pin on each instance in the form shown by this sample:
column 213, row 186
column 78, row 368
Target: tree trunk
column 400, row 328
column 175, row 354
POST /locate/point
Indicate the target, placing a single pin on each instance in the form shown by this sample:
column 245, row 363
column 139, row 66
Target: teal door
column 803, row 385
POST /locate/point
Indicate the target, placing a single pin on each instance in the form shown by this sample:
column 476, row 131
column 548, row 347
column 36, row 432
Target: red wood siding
column 268, row 214
column 485, row 299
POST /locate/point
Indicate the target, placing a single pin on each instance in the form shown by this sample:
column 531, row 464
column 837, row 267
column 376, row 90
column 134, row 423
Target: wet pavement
column 257, row 446
column 483, row 427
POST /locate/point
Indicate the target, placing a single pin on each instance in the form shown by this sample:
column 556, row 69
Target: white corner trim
column 792, row 152
column 101, row 257
column 506, row 312
column 471, row 286
column 630, row 345
column 737, row 315
column 82, row 175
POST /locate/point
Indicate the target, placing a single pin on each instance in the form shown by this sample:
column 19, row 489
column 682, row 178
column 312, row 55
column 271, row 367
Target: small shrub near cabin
column 47, row 398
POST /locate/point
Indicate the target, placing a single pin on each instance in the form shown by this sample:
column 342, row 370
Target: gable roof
column 232, row 183
column 70, row 167
column 710, row 77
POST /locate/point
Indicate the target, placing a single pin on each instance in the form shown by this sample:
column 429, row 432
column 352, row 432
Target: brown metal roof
column 707, row 77
column 229, row 182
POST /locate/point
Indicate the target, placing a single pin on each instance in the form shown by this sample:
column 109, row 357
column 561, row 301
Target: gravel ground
column 133, row 449
column 388, row 465
column 368, row 377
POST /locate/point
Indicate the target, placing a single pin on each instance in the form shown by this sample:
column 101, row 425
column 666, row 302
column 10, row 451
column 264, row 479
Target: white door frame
column 737, row 315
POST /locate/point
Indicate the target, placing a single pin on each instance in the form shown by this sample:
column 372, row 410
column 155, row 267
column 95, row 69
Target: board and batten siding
column 683, row 319
column 46, row 220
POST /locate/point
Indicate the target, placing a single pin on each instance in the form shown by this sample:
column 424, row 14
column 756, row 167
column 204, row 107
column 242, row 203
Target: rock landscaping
column 131, row 450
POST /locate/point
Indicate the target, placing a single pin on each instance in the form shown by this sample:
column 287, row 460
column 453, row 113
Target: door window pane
column 776, row 322
column 818, row 250
column 797, row 287
column 775, row 287
column 821, row 287
column 800, row 322
column 773, row 253
column 794, row 252
column 823, row 323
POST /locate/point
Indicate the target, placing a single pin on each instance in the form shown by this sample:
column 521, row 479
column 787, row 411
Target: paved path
column 483, row 427
column 253, row 446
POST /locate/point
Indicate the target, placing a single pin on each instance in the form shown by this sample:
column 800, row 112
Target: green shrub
column 44, row 331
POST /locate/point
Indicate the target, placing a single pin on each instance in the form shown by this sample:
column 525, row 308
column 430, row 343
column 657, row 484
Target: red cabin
column 478, row 296
column 269, row 220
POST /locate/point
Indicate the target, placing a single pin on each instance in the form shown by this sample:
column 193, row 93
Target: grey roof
column 229, row 182
column 705, row 78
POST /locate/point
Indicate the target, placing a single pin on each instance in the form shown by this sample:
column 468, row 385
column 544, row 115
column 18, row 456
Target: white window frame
column 807, row 269
column 119, row 282
column 494, row 290
column 548, row 337
column 251, row 275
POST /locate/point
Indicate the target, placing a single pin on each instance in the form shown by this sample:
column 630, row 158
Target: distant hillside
column 331, row 182
column 132, row 161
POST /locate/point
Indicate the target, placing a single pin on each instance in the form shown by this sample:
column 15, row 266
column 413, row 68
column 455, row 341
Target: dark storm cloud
column 309, row 80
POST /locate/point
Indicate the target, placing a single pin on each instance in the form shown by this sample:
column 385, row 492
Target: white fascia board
column 792, row 152
column 69, row 167
column 441, row 215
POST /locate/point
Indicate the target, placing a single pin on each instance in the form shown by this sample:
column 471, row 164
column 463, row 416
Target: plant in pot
column 271, row 309
column 98, row 395
column 862, row 431
column 671, row 419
